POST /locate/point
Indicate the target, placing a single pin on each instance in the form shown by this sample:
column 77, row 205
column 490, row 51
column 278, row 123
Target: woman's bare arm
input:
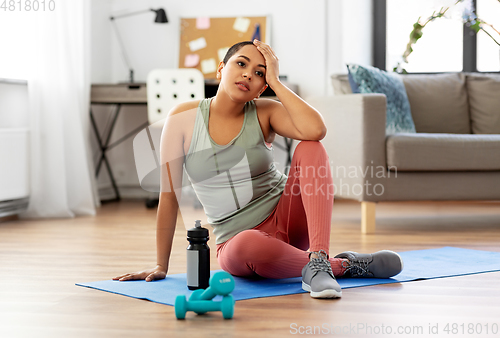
column 172, row 160
column 291, row 117
column 165, row 228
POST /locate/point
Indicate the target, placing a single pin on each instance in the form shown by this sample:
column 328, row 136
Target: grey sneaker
column 381, row 264
column 318, row 278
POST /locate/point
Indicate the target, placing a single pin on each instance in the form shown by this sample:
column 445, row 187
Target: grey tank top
column 237, row 183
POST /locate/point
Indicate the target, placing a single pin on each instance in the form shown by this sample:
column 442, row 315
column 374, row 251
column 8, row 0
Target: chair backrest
column 169, row 87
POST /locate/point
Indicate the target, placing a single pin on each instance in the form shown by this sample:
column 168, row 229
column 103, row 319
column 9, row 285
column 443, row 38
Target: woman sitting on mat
column 265, row 223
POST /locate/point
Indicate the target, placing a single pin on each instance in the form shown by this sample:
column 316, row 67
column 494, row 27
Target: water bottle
column 198, row 258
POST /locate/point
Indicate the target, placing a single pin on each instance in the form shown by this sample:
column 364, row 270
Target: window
column 441, row 46
column 488, row 52
column 446, row 44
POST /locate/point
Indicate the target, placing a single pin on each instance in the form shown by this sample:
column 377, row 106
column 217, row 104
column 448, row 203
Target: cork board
column 204, row 41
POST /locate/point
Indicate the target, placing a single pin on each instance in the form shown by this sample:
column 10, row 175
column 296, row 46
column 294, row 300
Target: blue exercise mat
column 418, row 265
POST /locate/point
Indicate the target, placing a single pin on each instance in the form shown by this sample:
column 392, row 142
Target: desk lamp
column 161, row 17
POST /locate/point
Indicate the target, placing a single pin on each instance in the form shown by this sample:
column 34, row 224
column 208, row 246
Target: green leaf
column 416, row 33
column 476, row 27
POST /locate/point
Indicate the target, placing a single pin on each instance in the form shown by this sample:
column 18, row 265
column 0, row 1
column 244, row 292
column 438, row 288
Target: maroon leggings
column 276, row 248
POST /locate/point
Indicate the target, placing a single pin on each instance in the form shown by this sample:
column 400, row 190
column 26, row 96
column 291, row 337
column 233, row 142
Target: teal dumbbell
column 182, row 305
column 221, row 283
column 200, row 301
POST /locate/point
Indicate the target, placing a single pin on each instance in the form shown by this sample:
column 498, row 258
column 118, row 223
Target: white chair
column 169, row 87
column 165, row 89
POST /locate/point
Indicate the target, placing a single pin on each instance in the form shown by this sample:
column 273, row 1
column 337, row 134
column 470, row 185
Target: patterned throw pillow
column 373, row 80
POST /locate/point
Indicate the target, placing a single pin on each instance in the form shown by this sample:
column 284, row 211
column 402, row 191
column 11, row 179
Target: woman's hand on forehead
column 272, row 62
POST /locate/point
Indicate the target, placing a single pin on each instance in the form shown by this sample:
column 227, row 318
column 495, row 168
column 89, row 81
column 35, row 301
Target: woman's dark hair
column 234, row 48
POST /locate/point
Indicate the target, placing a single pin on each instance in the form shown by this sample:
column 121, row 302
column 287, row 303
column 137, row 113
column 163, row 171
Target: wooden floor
column 40, row 262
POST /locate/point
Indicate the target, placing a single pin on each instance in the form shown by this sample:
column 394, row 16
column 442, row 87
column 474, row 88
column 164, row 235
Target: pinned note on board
column 208, row 66
column 221, row 52
column 256, row 33
column 203, row 22
column 191, row 60
column 197, row 44
column 241, row 24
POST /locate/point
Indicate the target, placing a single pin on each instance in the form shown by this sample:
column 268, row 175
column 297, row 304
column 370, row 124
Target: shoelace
column 358, row 268
column 321, row 263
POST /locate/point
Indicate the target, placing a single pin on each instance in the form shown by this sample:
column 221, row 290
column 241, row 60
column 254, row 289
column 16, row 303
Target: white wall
column 13, row 104
column 348, row 35
column 101, row 59
column 313, row 40
column 14, row 139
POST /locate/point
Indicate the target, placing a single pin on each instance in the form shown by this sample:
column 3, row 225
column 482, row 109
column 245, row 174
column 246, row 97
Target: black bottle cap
column 197, row 231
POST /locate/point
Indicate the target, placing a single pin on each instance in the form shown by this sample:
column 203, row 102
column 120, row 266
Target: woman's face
column 244, row 75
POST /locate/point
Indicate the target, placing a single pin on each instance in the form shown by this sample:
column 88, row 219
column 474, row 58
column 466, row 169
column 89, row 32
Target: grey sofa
column 455, row 154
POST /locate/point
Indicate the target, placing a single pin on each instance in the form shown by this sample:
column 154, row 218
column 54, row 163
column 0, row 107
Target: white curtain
column 62, row 184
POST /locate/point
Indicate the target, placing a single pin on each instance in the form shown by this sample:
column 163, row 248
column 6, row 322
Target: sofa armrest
column 355, row 141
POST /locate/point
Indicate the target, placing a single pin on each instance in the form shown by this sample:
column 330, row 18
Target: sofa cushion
column 354, row 86
column 443, row 152
column 372, row 80
column 484, row 101
column 438, row 103
column 340, row 83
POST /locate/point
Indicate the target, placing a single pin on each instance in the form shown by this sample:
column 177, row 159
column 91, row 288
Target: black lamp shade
column 161, row 16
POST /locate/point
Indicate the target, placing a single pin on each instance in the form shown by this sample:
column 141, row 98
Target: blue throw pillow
column 373, row 80
column 352, row 83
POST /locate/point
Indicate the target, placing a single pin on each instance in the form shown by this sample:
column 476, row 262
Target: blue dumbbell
column 200, row 301
column 221, row 283
column 182, row 305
